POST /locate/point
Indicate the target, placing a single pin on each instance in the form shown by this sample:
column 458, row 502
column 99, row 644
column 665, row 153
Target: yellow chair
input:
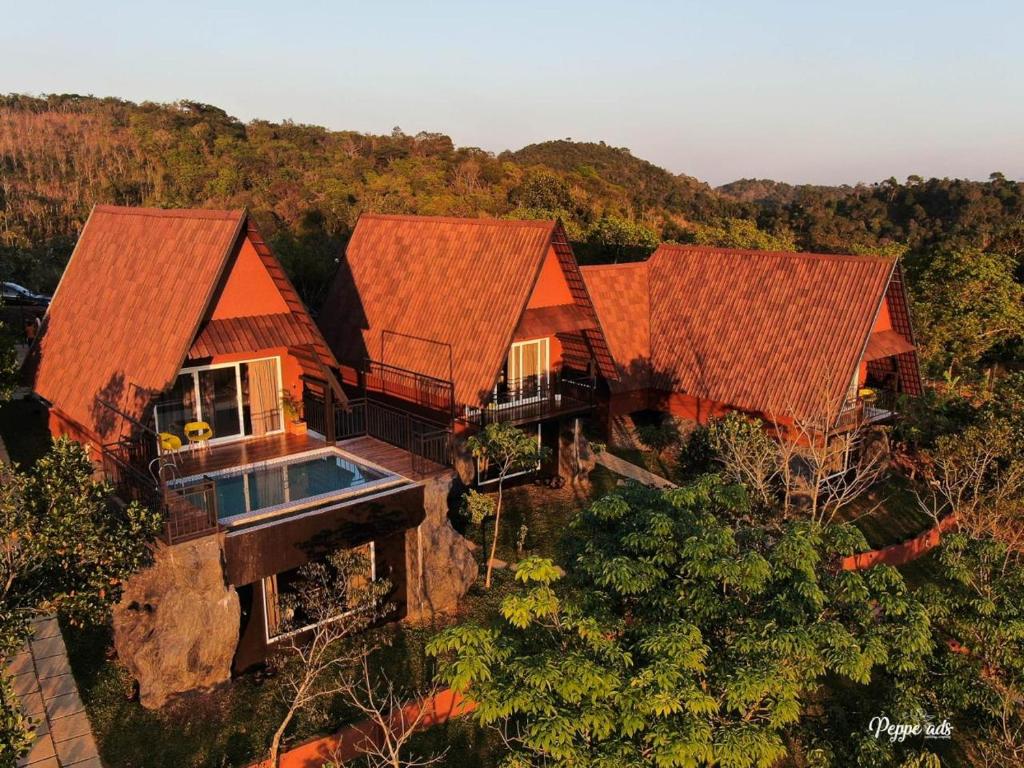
column 198, row 432
column 169, row 442
column 867, row 394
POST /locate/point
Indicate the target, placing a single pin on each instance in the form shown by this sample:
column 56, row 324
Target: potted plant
column 292, row 408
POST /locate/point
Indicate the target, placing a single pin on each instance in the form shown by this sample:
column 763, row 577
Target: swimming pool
column 295, row 482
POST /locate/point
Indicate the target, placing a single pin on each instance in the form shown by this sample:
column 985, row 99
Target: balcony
column 537, row 399
column 872, row 406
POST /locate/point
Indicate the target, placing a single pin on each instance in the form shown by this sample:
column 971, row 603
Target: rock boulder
column 439, row 561
column 176, row 626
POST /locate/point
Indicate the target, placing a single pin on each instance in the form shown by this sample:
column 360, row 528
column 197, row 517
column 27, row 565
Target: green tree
column 65, row 548
column 680, row 640
column 741, row 233
column 8, row 362
column 619, row 236
column 967, row 304
column 505, row 448
column 976, row 603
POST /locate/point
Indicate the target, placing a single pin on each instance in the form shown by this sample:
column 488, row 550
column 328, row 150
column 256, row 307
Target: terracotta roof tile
column 255, row 332
column 886, row 344
column 779, row 333
column 131, row 303
column 441, row 296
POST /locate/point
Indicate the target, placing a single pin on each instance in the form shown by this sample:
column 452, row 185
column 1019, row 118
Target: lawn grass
column 889, row 513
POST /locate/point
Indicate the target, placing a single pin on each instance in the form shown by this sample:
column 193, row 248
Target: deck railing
column 138, row 472
column 537, row 398
column 882, row 405
column 427, row 442
column 426, row 391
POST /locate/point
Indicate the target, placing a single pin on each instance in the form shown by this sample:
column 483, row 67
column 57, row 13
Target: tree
column 8, row 362
column 977, row 607
column 741, row 233
column 968, row 303
column 679, row 640
column 505, row 448
column 65, row 548
column 333, row 659
column 337, row 597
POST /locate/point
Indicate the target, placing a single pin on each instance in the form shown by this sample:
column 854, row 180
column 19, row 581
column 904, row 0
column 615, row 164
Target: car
column 15, row 295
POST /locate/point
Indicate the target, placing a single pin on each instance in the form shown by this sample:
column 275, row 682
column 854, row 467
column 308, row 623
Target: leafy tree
column 968, row 303
column 680, row 640
column 336, row 597
column 977, row 606
column 741, row 233
column 477, row 507
column 619, row 236
column 8, row 362
column 64, row 548
column 505, row 448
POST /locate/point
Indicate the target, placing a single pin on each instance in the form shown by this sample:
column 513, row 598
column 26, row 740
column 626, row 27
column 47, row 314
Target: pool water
column 282, row 484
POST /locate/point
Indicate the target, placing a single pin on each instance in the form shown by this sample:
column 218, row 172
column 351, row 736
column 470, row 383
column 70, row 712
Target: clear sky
column 819, row 92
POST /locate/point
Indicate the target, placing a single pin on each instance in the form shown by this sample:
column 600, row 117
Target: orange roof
column 443, row 296
column 130, row 305
column 777, row 333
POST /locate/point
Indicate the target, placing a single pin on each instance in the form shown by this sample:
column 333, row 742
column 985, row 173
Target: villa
column 471, row 322
column 792, row 338
column 177, row 350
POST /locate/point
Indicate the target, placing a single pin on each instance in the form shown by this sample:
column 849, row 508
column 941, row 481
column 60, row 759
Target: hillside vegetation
column 306, row 185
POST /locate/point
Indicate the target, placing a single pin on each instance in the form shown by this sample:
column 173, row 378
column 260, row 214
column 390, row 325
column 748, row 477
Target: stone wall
column 176, row 626
column 440, row 567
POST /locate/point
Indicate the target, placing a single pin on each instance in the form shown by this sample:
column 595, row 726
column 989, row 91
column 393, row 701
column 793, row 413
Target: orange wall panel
column 551, row 288
column 248, row 289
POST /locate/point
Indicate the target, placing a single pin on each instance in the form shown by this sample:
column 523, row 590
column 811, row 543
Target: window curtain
column 264, row 399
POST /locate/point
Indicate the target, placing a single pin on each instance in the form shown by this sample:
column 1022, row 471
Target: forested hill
column 60, row 155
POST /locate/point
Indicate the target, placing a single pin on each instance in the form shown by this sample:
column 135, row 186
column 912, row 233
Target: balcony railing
column 427, row 442
column 138, row 472
column 881, row 405
column 426, row 391
column 537, row 398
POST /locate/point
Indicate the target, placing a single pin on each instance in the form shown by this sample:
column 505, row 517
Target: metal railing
column 536, row 398
column 426, row 391
column 427, row 442
column 882, row 405
column 139, row 472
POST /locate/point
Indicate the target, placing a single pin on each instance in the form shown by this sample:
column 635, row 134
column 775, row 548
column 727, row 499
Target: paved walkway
column 632, row 471
column 41, row 676
column 43, row 681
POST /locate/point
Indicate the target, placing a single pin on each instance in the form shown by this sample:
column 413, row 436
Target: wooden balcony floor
column 258, row 449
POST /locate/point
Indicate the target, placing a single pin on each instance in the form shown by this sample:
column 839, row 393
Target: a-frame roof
column 443, row 296
column 776, row 333
column 133, row 299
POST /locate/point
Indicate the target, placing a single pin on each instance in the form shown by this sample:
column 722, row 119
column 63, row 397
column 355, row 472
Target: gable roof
column 444, row 296
column 778, row 333
column 131, row 303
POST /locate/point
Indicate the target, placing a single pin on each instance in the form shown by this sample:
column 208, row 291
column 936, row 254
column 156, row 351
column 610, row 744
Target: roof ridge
column 479, row 220
column 623, row 265
column 694, row 248
column 176, row 213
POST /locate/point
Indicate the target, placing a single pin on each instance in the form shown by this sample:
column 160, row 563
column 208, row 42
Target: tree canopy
column 678, row 639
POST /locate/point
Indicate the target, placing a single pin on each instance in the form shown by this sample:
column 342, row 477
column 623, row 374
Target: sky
column 818, row 92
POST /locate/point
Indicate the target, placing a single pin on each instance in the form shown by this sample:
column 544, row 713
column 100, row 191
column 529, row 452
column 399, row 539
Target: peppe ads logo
column 881, row 727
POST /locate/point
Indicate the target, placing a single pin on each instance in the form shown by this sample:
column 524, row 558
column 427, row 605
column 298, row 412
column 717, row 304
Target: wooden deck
column 255, row 450
column 390, row 457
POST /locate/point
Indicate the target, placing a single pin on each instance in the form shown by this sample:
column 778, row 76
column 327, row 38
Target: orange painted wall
column 248, row 289
column 551, row 288
column 883, row 323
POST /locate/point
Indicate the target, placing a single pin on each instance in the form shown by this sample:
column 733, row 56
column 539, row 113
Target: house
column 178, row 351
column 472, row 321
column 793, row 338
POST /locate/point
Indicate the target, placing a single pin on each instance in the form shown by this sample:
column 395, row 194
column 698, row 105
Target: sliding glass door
column 235, row 399
column 219, row 400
